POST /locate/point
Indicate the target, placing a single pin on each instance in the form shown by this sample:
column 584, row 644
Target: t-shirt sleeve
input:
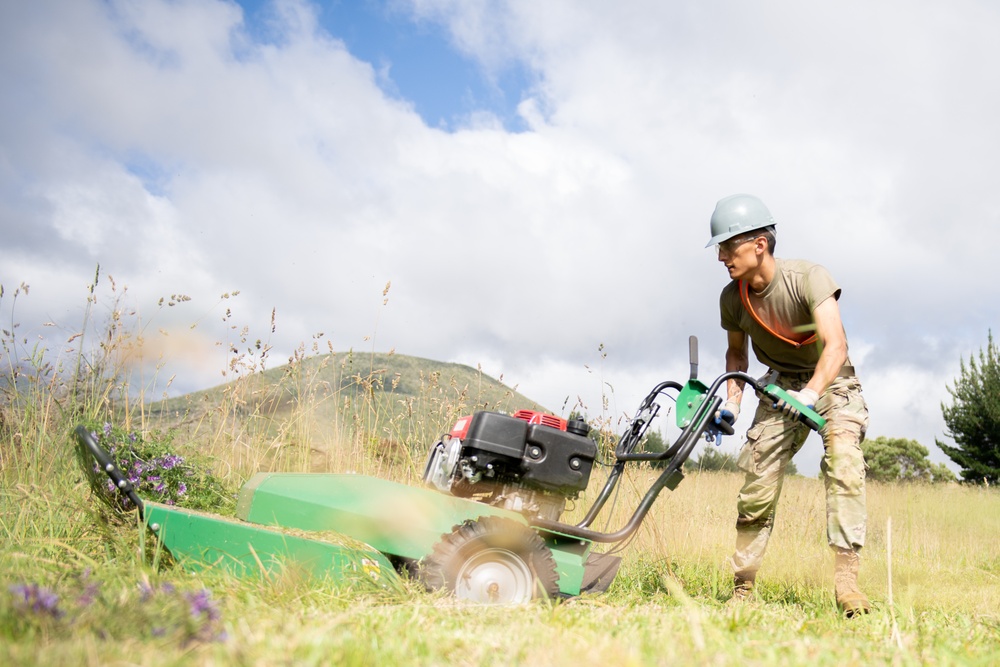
column 727, row 302
column 820, row 286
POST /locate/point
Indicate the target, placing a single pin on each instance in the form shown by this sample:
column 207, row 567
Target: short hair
column 769, row 234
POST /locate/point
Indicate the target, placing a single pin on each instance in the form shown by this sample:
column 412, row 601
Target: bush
column 154, row 469
column 899, row 459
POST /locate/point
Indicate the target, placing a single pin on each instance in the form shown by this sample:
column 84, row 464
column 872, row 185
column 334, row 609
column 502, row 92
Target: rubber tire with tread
column 494, row 542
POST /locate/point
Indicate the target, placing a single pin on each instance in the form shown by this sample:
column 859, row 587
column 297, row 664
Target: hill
column 390, row 402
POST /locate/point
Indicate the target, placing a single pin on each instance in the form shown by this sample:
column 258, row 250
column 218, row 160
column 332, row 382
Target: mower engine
column 530, row 462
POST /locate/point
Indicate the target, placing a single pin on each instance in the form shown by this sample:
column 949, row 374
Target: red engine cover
column 461, row 427
column 535, row 417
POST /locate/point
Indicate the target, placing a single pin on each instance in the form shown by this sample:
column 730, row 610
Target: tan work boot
column 742, row 589
column 845, row 583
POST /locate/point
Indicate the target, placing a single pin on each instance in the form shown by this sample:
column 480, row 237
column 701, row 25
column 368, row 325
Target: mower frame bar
column 677, row 453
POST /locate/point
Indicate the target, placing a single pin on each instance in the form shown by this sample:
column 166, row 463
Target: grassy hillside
column 314, row 408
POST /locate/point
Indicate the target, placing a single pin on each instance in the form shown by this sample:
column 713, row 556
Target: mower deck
column 199, row 540
column 395, row 519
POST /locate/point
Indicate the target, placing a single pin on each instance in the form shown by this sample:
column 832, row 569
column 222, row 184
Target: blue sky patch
column 418, row 62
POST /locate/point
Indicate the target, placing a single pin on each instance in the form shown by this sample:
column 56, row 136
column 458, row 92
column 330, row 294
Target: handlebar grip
column 811, row 423
column 725, row 428
column 807, row 415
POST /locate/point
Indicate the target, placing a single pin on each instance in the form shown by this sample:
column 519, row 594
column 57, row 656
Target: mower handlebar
column 807, row 415
column 701, row 421
column 724, row 427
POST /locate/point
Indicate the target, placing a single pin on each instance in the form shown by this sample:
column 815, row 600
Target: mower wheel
column 491, row 560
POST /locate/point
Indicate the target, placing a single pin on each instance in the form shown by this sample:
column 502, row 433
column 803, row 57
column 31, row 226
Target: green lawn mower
column 485, row 526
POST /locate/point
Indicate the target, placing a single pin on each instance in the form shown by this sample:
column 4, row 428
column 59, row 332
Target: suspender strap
column 745, row 298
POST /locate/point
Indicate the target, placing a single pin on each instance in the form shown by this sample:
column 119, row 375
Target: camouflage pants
column 772, row 441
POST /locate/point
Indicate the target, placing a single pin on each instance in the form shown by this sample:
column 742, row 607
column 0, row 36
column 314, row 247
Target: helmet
column 736, row 214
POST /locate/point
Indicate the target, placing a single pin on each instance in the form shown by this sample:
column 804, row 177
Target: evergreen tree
column 899, row 459
column 973, row 419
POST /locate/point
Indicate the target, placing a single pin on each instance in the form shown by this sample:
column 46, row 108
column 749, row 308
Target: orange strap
column 745, row 298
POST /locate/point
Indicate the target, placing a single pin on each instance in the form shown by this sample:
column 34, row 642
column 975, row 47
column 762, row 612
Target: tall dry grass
column 944, row 546
column 341, row 412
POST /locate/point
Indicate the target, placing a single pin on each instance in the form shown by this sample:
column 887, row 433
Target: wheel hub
column 495, row 576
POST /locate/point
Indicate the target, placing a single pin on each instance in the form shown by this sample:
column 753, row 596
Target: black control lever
column 693, row 356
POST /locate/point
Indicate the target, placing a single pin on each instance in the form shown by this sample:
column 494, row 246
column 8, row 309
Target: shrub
column 156, row 471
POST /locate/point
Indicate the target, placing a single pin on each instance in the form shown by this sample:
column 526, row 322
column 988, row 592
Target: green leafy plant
column 155, row 470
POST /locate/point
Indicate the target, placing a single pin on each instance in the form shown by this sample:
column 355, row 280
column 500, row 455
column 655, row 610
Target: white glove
column 806, row 397
column 729, row 412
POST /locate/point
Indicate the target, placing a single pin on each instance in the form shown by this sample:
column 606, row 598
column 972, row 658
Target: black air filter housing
column 495, row 438
column 555, row 460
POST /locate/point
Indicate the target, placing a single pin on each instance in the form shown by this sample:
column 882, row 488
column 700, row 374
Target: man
column 788, row 310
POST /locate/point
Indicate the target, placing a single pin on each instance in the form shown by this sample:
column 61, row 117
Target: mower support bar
column 702, row 420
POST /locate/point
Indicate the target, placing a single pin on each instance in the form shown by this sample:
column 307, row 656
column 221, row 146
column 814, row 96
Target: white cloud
column 159, row 139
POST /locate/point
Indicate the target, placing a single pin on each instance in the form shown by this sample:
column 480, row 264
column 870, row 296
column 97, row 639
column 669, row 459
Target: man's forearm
column 736, row 362
column 827, row 368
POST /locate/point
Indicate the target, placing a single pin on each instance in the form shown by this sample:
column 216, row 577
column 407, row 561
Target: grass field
column 80, row 585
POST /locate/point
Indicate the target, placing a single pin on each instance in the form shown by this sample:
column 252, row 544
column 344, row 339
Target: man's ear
column 760, row 245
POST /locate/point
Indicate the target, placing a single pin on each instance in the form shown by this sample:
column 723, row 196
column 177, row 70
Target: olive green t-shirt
column 787, row 306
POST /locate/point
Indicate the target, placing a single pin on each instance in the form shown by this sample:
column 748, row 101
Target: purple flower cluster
column 206, row 615
column 153, row 474
column 202, row 606
column 169, row 461
column 204, row 619
column 191, row 616
column 90, row 591
column 36, row 599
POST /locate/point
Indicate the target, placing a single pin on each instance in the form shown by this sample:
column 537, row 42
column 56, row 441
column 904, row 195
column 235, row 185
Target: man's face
column 740, row 254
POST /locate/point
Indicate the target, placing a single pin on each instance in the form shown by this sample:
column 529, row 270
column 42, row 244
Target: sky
column 519, row 186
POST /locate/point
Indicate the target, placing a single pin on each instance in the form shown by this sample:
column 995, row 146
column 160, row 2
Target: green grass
column 80, row 585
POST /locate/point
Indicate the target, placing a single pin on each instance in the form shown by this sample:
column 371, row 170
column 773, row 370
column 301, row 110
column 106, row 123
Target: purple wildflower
column 107, row 428
column 36, row 599
column 88, row 595
column 132, row 437
column 171, row 461
column 181, row 489
column 145, row 591
column 90, row 591
column 201, row 604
